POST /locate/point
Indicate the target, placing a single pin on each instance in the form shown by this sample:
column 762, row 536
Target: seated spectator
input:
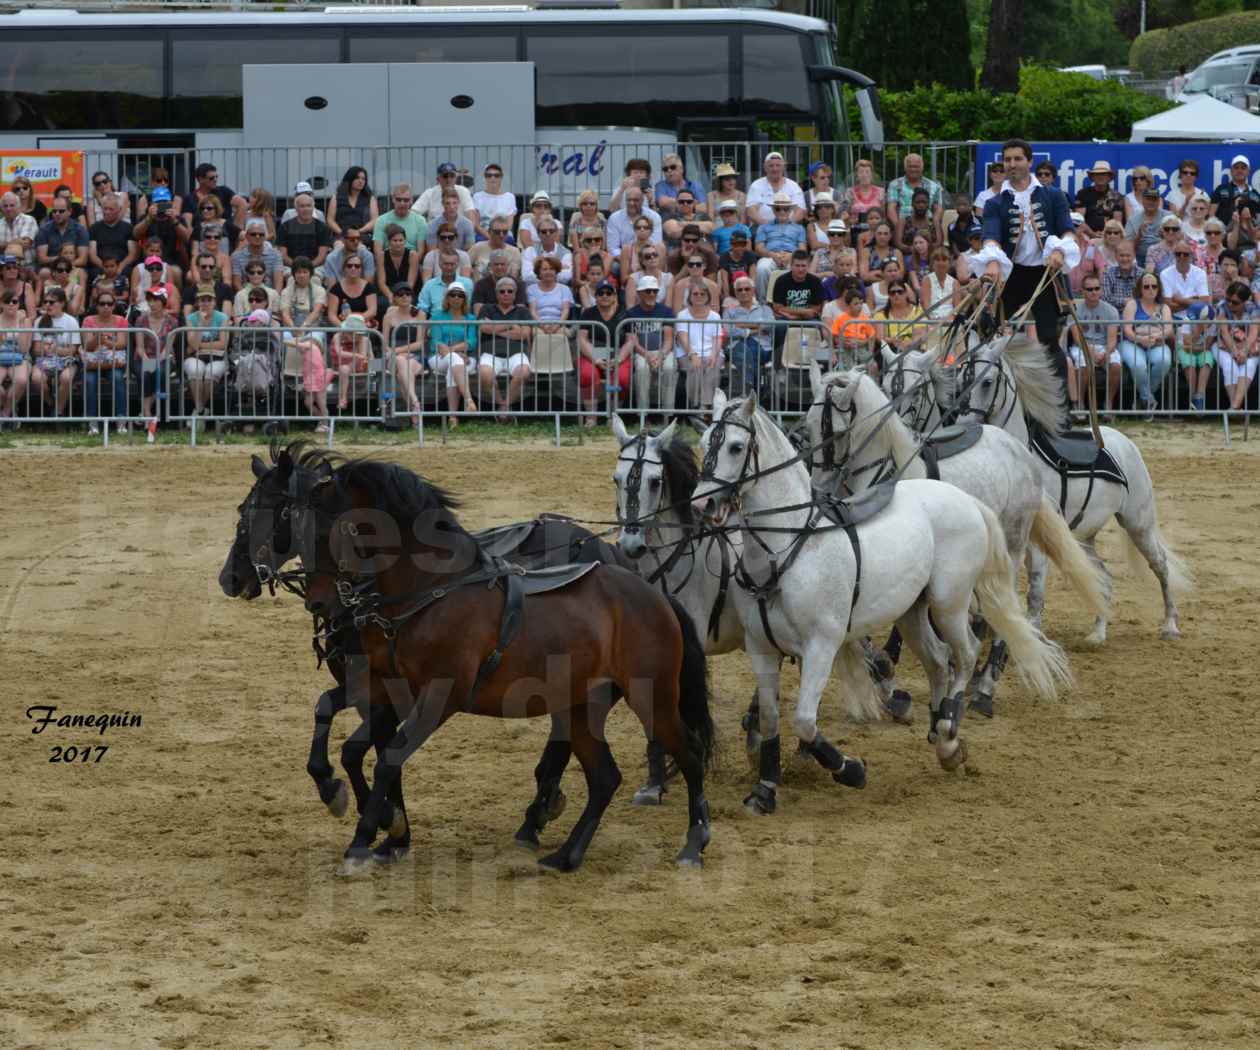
column 506, row 337
column 206, row 273
column 445, row 237
column 292, row 212
column 486, row 290
column 258, row 252
column 1159, row 256
column 585, row 220
column 28, row 202
column 739, row 258
column 304, row 235
column 15, row 349
column 798, row 294
column 591, row 248
column 548, row 246
column 956, row 235
column 1237, row 343
column 864, row 232
column 865, row 193
column 650, row 268
column 539, row 208
column 262, row 207
column 749, row 332
column 254, row 297
column 1194, row 220
column 208, row 185
column 1234, row 190
column 698, row 339
column 209, row 218
column 353, row 207
column 901, row 327
column 104, row 356
column 160, row 179
column 777, row 241
column 479, row 256
column 12, row 280
column 205, row 363
column 844, row 266
column 1210, row 255
column 650, row 339
column 1100, row 201
column 901, row 193
column 1143, row 228
column 822, row 261
column 917, row 220
column 1194, row 353
column 1228, row 270
column 622, row 224
column 726, row 188
column 415, row 227
column 918, row 264
column 1243, row 234
column 432, row 207
column 102, row 187
column 1119, row 280
column 350, row 246
column 880, row 251
column 1101, row 340
column 1180, row 195
column 632, row 251
column 594, row 274
column 402, row 331
column 1144, row 339
column 62, row 275
column 397, row 264
column 454, row 341
column 820, row 185
column 157, row 274
column 996, row 174
column 111, row 283
column 675, row 181
column 213, row 243
column 637, row 173
column 728, row 223
column 877, row 293
column 549, row 300
column 691, row 242
column 693, row 271
column 303, row 304
column 451, row 219
column 150, row 346
column 16, row 225
column 55, row 350
column 1184, row 284
column 685, row 216
column 434, row 290
column 61, row 230
column 595, row 350
column 354, row 295
column 1142, row 181
column 765, row 193
column 823, row 210
column 853, row 337
column 493, row 202
column 350, row 354
column 938, row 291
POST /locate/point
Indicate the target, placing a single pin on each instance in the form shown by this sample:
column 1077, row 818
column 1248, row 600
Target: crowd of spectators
column 703, row 280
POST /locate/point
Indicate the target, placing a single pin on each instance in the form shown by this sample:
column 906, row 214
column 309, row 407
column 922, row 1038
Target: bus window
column 206, row 70
column 417, row 44
column 593, row 76
column 79, row 82
column 774, row 73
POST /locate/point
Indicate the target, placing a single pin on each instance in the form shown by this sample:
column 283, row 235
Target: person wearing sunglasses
column 499, row 229
column 1238, row 342
column 15, row 225
column 205, row 273
column 60, row 229
column 159, row 179
column 1100, row 326
column 102, row 187
column 15, row 349
column 505, row 339
column 548, row 247
column 208, row 184
column 450, row 216
column 256, row 250
column 210, row 218
column 1181, row 194
column 156, row 273
column 592, row 253
column 431, row 204
column 63, row 275
column 353, row 206
column 585, row 220
column 445, row 237
column 453, row 340
column 693, row 272
column 1143, row 228
column 112, row 235
column 253, row 291
column 56, row 350
column 672, row 184
column 104, row 357
column 402, row 330
column 304, row 236
column 111, row 282
column 493, row 202
column 1147, row 331
column 354, row 295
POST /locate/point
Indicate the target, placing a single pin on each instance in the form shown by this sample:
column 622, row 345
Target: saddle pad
column 503, row 540
column 860, row 508
column 1075, row 453
column 540, row 581
column 949, row 441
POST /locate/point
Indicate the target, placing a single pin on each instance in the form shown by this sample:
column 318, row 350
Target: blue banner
column 1074, row 159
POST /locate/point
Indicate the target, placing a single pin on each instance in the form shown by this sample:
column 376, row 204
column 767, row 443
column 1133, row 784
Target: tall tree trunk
column 1006, row 36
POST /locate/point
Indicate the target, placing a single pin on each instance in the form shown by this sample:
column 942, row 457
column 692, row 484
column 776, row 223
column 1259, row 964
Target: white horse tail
column 1051, row 533
column 1042, row 664
column 861, row 697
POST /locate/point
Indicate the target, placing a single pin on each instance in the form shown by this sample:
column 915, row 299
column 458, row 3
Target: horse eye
column 737, row 447
column 654, row 483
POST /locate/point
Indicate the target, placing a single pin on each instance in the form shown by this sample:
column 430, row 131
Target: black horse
column 545, row 541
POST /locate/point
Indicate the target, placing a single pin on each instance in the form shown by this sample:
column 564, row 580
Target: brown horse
column 447, row 628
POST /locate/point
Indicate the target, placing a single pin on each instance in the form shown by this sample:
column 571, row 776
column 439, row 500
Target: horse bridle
column 967, row 380
column 921, row 390
column 752, row 458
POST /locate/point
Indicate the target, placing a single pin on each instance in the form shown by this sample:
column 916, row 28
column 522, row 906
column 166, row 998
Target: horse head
column 655, row 476
column 729, row 448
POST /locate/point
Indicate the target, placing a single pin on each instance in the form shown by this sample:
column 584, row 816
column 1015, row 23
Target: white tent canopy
column 1204, row 119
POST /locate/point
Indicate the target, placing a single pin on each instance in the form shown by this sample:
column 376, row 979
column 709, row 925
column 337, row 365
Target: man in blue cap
column 429, row 203
column 161, row 222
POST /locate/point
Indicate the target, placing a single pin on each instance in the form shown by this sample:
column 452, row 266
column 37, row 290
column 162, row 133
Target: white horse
column 813, row 589
column 1010, row 376
column 858, row 436
column 655, row 477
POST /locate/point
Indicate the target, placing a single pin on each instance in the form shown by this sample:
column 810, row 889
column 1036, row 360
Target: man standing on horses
column 1027, row 228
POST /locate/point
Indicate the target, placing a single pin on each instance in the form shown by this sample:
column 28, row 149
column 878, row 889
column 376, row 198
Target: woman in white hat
column 539, row 208
column 725, row 186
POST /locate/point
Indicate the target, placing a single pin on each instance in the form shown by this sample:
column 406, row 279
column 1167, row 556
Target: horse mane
column 871, row 399
column 1040, row 388
column 394, row 489
column 682, row 473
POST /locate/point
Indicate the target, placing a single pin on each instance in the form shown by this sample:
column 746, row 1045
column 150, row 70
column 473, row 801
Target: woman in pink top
column 105, row 357
column 864, row 194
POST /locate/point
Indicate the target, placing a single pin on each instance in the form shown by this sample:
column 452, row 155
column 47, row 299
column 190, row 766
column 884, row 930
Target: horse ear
column 285, row 462
column 815, row 378
column 620, row 432
column 719, row 404
column 666, row 436
column 257, row 466
column 748, row 407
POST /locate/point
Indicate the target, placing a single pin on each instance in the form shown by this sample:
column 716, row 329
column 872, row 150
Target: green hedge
column 1160, row 50
column 1050, row 106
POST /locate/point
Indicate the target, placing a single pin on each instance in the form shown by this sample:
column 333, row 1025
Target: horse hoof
column 1169, row 633
column 1094, row 638
column 356, row 862
column 558, row 861
column 557, row 804
column 761, row 802
column 649, row 795
column 851, row 774
column 688, row 859
column 386, row 853
column 900, row 707
column 982, row 704
column 340, row 801
column 958, row 758
column 527, row 838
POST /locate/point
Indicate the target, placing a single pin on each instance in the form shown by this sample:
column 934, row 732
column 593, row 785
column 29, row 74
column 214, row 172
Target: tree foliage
column 1160, row 50
column 901, row 43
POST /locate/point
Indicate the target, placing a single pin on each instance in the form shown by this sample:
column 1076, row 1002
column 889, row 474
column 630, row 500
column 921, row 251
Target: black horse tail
column 693, row 688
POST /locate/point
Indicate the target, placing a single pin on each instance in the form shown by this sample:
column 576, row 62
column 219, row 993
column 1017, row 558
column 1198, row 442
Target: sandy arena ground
column 1090, row 883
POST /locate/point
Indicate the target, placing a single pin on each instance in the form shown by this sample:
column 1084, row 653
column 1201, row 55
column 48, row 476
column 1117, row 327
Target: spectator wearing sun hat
column 775, row 241
column 728, row 223
column 429, row 203
column 762, row 192
column 726, row 188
